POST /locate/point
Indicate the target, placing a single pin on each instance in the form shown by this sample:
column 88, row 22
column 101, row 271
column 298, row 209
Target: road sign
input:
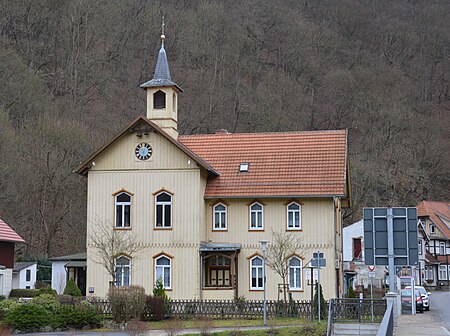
column 371, row 268
column 318, row 259
column 383, row 226
column 371, row 274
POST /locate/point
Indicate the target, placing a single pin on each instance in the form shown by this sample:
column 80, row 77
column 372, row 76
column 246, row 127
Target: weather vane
column 163, row 37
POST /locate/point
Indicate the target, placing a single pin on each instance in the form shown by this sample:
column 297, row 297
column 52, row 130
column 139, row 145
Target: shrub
column 47, row 290
column 72, row 288
column 76, row 317
column 159, row 289
column 41, row 284
column 323, row 303
column 47, row 301
column 136, row 328
column 5, row 330
column 127, row 303
column 351, row 293
column 155, row 307
column 2, row 297
column 6, row 306
column 67, row 299
column 28, row 317
column 204, row 325
column 23, row 293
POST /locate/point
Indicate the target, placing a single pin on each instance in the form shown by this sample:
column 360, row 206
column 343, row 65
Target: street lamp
column 264, row 249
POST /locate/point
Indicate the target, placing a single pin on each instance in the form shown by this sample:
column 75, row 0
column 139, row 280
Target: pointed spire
column 161, row 76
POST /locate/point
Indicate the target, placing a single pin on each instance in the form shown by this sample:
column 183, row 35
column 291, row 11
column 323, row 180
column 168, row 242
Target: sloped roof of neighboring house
column 8, row 234
column 430, row 258
column 437, row 212
column 288, row 164
column 78, row 256
column 18, row 266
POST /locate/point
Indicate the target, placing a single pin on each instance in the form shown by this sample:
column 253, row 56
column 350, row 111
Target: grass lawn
column 217, row 323
column 306, row 330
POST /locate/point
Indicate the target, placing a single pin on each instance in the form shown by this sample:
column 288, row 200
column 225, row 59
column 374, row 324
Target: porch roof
column 216, row 247
column 76, row 263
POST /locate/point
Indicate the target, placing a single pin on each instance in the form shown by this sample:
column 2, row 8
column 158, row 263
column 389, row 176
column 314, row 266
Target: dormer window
column 243, row 167
column 432, row 229
column 159, row 100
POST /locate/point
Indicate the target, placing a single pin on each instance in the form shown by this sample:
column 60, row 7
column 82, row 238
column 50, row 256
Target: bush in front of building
column 127, row 303
column 155, row 308
column 72, row 288
column 48, row 302
column 79, row 316
column 28, row 317
column 23, row 293
column 47, row 290
column 6, row 306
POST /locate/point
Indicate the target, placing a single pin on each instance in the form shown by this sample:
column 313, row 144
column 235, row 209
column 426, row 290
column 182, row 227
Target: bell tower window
column 159, row 100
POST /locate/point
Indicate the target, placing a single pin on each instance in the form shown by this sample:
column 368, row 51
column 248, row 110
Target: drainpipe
column 201, row 276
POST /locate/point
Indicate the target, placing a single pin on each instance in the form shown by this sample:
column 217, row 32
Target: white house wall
column 5, row 281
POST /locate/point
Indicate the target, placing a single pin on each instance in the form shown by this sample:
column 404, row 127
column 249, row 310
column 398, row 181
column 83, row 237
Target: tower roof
column 161, row 76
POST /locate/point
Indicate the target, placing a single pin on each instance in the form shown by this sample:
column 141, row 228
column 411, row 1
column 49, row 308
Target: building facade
column 199, row 205
column 435, row 218
column 8, row 239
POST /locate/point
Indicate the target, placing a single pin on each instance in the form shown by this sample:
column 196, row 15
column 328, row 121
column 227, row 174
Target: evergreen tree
column 323, row 303
column 72, row 288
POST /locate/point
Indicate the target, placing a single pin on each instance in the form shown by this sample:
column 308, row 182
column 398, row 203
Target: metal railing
column 387, row 324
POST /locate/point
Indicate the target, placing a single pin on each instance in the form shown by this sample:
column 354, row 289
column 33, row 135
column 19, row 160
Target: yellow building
column 199, row 205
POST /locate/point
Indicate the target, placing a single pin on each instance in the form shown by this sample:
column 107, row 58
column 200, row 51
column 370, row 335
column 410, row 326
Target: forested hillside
column 70, row 74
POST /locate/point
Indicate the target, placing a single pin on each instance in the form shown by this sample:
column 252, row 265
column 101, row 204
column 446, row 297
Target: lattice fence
column 224, row 308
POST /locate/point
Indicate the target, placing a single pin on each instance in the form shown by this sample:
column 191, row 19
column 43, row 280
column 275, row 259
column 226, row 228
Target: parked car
column 405, row 295
column 425, row 296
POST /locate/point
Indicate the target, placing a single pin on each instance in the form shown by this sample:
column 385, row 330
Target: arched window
column 163, row 210
column 295, row 273
column 220, row 217
column 256, row 273
column 123, row 210
column 256, row 217
column 163, row 271
column 159, row 100
column 294, row 216
column 123, row 271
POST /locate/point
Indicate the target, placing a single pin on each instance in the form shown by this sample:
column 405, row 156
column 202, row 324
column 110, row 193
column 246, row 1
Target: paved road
column 440, row 305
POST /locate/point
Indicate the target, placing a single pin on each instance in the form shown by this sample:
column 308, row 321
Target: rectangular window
column 442, row 248
column 357, row 249
column 217, row 271
column 123, row 210
column 28, row 275
column 420, row 247
column 432, row 229
column 442, row 272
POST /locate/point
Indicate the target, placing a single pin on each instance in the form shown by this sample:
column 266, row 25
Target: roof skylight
column 243, row 168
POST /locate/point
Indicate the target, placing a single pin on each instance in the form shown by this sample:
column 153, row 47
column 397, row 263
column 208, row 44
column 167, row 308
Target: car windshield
column 407, row 293
column 420, row 289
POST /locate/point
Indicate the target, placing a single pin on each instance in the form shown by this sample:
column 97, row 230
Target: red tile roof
column 8, row 234
column 280, row 164
column 436, row 211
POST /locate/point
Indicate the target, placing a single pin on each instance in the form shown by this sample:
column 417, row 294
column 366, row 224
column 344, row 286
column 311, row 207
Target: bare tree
column 282, row 247
column 109, row 244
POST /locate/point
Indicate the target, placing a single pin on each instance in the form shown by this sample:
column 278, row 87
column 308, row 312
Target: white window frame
column 259, row 270
column 163, row 204
column 120, row 282
column 259, row 226
column 122, row 205
column 296, row 270
column 297, row 226
column 442, row 248
column 442, row 272
column 222, row 226
column 163, row 268
column 432, row 229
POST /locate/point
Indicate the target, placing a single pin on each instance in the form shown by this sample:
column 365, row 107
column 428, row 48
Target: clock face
column 143, row 151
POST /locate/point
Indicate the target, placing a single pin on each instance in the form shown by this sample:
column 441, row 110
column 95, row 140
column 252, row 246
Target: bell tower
column 162, row 94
